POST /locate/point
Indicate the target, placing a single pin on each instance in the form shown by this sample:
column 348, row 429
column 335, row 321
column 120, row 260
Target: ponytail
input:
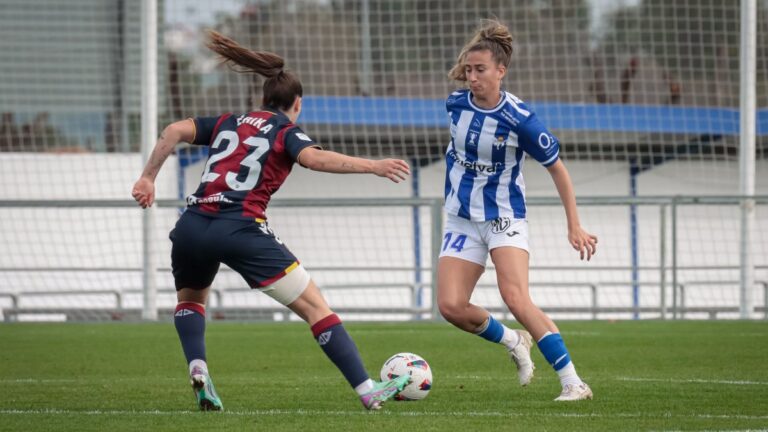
column 281, row 87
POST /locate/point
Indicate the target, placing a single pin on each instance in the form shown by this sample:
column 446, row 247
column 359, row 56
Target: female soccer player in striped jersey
column 250, row 157
column 491, row 131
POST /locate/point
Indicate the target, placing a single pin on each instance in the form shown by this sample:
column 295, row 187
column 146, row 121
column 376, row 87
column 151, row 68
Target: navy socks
column 189, row 319
column 339, row 347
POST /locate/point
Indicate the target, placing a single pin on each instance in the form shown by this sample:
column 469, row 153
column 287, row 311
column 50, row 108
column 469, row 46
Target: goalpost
column 148, row 137
column 747, row 131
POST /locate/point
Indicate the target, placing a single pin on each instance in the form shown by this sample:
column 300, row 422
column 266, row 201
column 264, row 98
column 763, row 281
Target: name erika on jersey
column 256, row 122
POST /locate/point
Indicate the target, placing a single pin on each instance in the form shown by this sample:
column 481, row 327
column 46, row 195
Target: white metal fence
column 688, row 262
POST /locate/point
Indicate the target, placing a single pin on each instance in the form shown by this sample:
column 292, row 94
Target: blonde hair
column 492, row 36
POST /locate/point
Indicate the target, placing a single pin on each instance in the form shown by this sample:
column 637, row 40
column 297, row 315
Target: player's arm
column 332, row 162
column 581, row 240
column 144, row 188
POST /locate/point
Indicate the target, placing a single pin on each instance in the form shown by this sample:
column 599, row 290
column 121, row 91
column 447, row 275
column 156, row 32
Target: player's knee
column 453, row 311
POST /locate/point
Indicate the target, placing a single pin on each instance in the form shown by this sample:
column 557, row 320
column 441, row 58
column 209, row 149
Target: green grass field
column 645, row 375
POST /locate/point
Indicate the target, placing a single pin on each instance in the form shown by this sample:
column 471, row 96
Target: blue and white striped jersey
column 484, row 160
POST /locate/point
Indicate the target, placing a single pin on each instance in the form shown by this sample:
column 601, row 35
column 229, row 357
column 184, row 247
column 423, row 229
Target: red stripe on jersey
column 218, row 124
column 274, row 171
column 197, row 307
column 324, row 324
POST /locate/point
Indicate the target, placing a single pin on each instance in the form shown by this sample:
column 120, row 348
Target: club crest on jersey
column 500, row 225
column 500, row 142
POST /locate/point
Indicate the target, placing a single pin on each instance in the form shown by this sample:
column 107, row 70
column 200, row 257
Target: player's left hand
column 393, row 169
column 583, row 242
column 144, row 192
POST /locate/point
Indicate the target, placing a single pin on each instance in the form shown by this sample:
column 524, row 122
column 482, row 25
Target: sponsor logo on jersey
column 324, row 338
column 217, row 197
column 486, row 169
column 546, row 140
column 510, row 118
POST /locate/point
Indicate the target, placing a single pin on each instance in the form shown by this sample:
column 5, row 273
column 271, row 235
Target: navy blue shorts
column 201, row 243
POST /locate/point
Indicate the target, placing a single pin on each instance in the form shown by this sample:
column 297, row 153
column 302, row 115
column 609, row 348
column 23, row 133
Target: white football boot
column 575, row 392
column 521, row 356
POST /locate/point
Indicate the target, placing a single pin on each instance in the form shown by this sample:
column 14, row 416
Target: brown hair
column 492, row 36
column 281, row 87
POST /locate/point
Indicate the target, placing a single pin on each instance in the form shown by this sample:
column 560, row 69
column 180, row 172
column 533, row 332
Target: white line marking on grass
column 84, row 380
column 303, row 412
column 481, row 377
column 35, row 381
column 583, row 333
column 693, row 381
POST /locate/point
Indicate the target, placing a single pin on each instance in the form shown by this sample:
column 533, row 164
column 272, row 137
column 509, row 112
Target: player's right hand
column 393, row 169
column 144, row 192
column 582, row 241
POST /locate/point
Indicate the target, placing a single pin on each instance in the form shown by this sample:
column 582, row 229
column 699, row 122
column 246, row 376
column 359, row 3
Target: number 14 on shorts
column 457, row 244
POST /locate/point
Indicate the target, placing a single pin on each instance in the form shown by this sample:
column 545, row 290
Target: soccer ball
column 413, row 365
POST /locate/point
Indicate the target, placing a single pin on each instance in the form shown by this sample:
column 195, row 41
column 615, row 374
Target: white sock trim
column 364, row 387
column 568, row 375
column 510, row 338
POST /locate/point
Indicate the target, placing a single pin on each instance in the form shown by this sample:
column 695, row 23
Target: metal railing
column 678, row 307
column 220, row 307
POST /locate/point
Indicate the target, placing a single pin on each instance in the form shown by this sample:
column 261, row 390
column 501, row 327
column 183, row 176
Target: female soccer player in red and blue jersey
column 249, row 159
column 491, row 132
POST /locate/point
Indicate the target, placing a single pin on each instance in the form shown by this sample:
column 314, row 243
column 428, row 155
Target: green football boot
column 384, row 391
column 202, row 385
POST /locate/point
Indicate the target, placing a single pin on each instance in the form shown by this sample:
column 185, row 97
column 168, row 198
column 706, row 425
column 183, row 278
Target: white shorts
column 471, row 241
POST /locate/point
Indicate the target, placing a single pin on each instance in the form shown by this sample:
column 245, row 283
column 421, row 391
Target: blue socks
column 189, row 319
column 553, row 348
column 339, row 347
column 493, row 331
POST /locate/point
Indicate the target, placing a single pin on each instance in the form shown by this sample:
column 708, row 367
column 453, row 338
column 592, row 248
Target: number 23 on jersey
column 230, row 140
